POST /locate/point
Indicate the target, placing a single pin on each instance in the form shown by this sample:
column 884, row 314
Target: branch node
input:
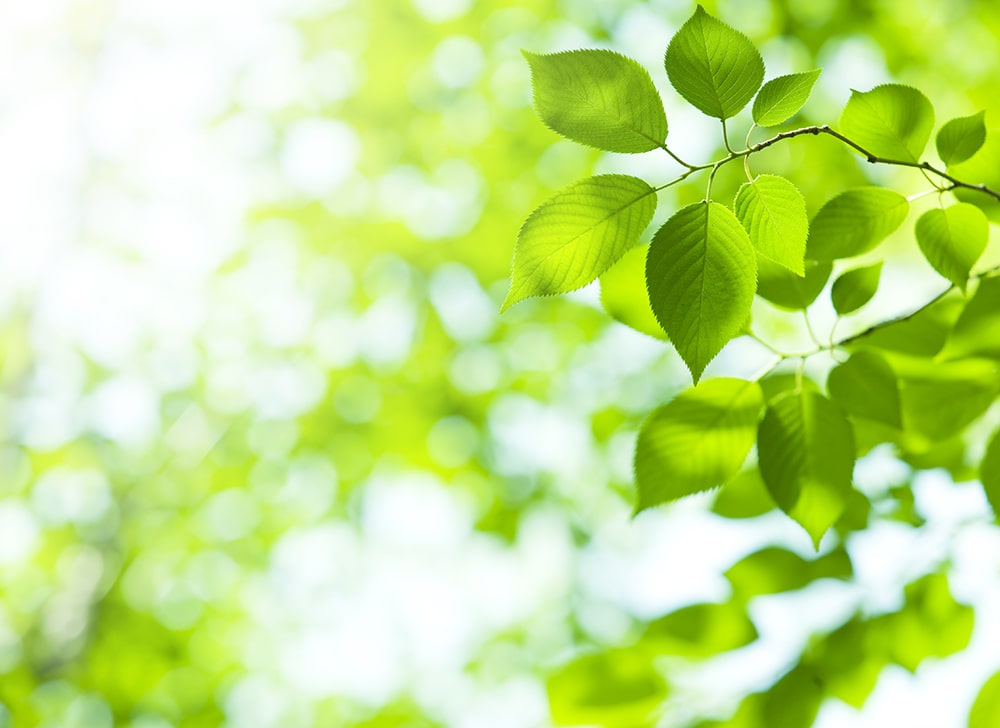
column 872, row 159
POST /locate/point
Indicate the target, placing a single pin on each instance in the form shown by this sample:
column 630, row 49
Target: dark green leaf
column 953, row 239
column 866, row 386
column 854, row 288
column 716, row 68
column 599, row 98
column 782, row 97
column 854, row 222
column 624, row 295
column 701, row 275
column 989, row 473
column 783, row 288
column 890, row 121
column 960, row 138
column 773, row 212
column 578, row 234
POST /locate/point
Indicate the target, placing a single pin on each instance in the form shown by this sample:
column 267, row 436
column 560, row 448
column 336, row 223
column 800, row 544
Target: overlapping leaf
column 890, row 121
column 774, row 214
column 953, row 239
column 854, row 222
column 977, row 331
column 989, row 475
column 854, row 288
column 624, row 295
column 783, row 288
column 781, row 98
column 866, row 386
column 960, row 138
column 983, row 168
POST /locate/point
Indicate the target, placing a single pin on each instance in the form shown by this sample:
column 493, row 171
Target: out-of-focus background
column 269, row 456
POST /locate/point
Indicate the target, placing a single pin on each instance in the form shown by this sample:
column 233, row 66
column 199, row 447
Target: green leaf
column 774, row 214
column 960, row 138
column 701, row 273
column 953, row 239
column 715, row 67
column 781, row 98
column 578, row 234
column 783, row 288
column 806, row 452
column 985, row 711
column 697, row 441
column 599, row 98
column 890, row 121
column 866, row 386
column 977, row 331
column 922, row 334
column 700, row 630
column 854, row 222
column 983, row 168
column 624, row 295
column 989, row 473
column 854, row 288
column 743, row 497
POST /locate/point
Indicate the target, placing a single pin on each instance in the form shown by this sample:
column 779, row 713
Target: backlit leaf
column 806, row 455
column 983, row 168
column 773, row 212
column 960, row 138
column 866, row 386
column 989, row 473
column 615, row 688
column 624, row 295
column 701, row 275
column 697, row 441
column 854, row 288
column 782, row 97
column 985, row 711
column 977, row 331
column 578, row 234
column 783, row 288
column 890, row 121
column 854, row 222
column 715, row 67
column 953, row 239
column 599, row 98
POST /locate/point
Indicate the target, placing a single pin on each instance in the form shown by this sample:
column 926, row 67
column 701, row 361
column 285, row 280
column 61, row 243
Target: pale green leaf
column 854, row 222
column 866, row 386
column 890, row 121
column 983, row 168
column 578, row 234
column 854, row 288
column 783, row 288
column 977, row 331
column 781, row 98
column 715, row 67
column 806, row 452
column 960, row 138
column 599, row 98
column 624, row 295
column 953, row 239
column 697, row 441
column 774, row 214
column 985, row 711
column 922, row 334
column 989, row 475
column 701, row 275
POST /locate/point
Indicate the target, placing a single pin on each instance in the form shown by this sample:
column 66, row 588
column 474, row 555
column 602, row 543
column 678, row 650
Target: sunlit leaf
column 866, row 386
column 697, row 441
column 773, row 212
column 783, row 288
column 700, row 630
column 715, row 67
column 982, row 168
column 977, row 331
column 985, row 711
column 782, row 97
column 960, row 138
column 599, row 98
column 953, row 239
column 806, row 454
column 854, row 288
column 578, row 234
column 854, row 222
column 743, row 497
column 922, row 334
column 701, row 274
column 890, row 121
column 624, row 295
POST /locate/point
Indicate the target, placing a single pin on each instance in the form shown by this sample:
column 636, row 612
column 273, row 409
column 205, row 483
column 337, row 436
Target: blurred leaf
column 854, row 288
column 960, row 138
column 773, row 570
column 989, row 473
column 985, row 711
column 743, row 497
column 624, row 295
column 977, row 331
column 866, row 386
column 783, row 288
column 700, row 630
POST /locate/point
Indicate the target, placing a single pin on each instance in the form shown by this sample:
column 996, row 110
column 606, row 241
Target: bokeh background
column 269, row 456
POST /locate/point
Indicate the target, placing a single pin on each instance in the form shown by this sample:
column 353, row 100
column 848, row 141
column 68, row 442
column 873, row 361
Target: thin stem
column 725, row 138
column 809, row 328
column 677, row 159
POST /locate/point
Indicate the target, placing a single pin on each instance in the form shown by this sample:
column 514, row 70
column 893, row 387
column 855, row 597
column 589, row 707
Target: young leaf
column 624, row 295
column 960, row 138
column 866, row 386
column 701, row 276
column 854, row 222
column 715, row 67
column 697, row 441
column 781, row 98
column 890, row 121
column 854, row 288
column 577, row 234
column 985, row 711
column 977, row 331
column 773, row 212
column 989, row 475
column 953, row 239
column 620, row 687
column 783, row 288
column 599, row 98
column 806, row 451
column 983, row 167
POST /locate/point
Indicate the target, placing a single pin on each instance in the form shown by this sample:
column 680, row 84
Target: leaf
column 624, row 295
column 854, row 222
column 977, row 331
column 866, row 386
column 806, row 452
column 599, row 98
column 697, row 441
column 700, row 631
column 960, row 138
column 983, row 168
column 890, row 121
column 578, row 234
column 701, row 273
column 921, row 334
column 854, row 288
column 781, row 98
column 953, row 239
column 774, row 214
column 715, row 67
column 985, row 711
column 989, row 473
column 783, row 288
